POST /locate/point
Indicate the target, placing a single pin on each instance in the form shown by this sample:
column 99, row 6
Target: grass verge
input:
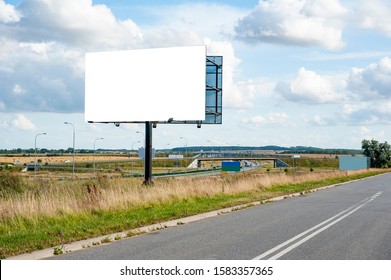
column 23, row 233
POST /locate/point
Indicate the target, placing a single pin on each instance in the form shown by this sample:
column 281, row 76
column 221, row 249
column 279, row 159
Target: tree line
column 380, row 153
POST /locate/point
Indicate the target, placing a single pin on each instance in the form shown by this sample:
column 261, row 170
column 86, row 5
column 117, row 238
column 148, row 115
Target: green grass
column 20, row 235
column 293, row 188
column 23, row 235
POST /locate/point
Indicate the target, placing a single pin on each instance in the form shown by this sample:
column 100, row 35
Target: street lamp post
column 211, row 145
column 94, row 155
column 185, row 144
column 35, row 152
column 139, row 132
column 143, row 135
column 164, row 163
column 185, row 150
column 131, row 171
column 73, row 149
column 227, row 148
column 294, row 163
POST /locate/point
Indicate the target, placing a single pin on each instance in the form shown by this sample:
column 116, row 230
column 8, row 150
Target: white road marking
column 328, row 223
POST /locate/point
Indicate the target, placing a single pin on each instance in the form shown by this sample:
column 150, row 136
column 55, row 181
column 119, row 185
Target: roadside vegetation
column 42, row 213
column 379, row 153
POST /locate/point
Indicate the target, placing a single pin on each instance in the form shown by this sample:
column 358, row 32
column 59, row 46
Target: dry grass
column 51, row 198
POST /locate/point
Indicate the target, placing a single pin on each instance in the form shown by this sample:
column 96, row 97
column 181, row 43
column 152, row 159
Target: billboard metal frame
column 213, row 94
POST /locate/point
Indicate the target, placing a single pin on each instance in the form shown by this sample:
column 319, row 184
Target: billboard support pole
column 148, row 154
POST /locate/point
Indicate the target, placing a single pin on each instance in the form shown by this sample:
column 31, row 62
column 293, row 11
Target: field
column 37, row 213
column 88, row 165
column 60, row 167
column 61, row 159
column 80, row 158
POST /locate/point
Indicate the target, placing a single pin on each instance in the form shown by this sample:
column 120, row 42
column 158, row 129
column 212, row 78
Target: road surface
column 348, row 222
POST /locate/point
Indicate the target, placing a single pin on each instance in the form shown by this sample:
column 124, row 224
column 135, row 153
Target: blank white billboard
column 145, row 85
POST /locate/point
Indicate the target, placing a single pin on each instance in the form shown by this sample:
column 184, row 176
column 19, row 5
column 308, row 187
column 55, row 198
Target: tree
column 380, row 153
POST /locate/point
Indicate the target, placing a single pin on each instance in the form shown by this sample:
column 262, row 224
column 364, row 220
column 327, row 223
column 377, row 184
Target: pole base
column 148, row 182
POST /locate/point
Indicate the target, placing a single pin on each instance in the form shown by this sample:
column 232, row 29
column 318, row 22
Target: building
column 354, row 163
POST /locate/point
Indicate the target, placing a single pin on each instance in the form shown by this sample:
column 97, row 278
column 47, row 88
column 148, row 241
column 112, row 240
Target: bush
column 10, row 184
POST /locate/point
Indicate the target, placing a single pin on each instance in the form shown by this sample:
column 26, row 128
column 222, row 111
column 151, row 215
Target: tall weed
column 10, row 184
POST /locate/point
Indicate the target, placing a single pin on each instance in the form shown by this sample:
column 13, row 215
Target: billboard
column 354, row 163
column 157, row 85
column 175, row 156
column 230, row 166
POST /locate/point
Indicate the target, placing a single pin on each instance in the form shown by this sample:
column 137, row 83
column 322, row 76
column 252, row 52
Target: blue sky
column 296, row 72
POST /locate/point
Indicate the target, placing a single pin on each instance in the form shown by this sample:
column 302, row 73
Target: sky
column 296, row 72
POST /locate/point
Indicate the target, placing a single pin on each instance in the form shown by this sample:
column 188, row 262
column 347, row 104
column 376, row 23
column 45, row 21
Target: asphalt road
column 348, row 222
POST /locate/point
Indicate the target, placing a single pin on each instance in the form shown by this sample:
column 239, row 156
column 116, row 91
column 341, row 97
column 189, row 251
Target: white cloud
column 322, row 120
column 42, row 54
column 367, row 113
column 309, row 87
column 38, row 48
column 375, row 14
column 368, row 133
column 235, row 94
column 183, row 24
column 346, row 56
column 274, row 118
column 8, row 13
column 42, row 77
column 77, row 23
column 18, row 90
column 169, row 37
column 327, row 9
column 385, row 107
column 294, row 22
column 364, row 94
column 211, row 20
column 374, row 81
column 19, row 122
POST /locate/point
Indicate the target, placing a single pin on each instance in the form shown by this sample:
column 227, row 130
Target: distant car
column 31, row 166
